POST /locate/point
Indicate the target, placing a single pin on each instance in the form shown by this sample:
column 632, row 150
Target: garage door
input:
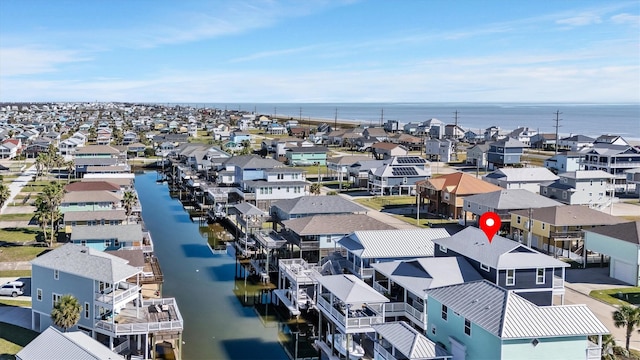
column 624, row 272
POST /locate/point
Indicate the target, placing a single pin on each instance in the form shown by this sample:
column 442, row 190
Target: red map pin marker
column 490, row 223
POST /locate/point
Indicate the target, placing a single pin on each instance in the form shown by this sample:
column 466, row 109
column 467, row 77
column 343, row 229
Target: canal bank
column 217, row 325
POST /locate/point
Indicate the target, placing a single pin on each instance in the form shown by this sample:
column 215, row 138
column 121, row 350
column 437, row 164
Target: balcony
column 351, row 320
column 298, row 271
column 157, row 315
column 566, row 235
column 594, row 352
column 384, row 353
column 417, row 316
column 124, row 292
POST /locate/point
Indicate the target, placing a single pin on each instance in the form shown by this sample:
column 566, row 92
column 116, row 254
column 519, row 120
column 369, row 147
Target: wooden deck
column 146, row 314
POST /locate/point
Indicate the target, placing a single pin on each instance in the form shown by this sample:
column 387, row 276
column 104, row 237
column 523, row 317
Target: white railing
column 417, row 316
column 118, row 296
column 379, row 288
column 139, row 328
column 364, row 322
column 558, row 283
column 382, row 352
column 394, row 309
column 594, row 352
column 323, row 304
column 122, row 347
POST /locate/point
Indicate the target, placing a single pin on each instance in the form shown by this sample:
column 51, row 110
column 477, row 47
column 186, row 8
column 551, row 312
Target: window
column 543, row 226
column 443, row 248
column 564, row 195
column 540, row 276
column 467, row 327
column 83, row 242
column 518, row 220
column 433, row 329
column 484, row 267
column 39, row 294
column 56, row 274
column 511, row 277
column 56, row 298
column 107, row 243
column 86, row 310
column 116, row 242
column 444, row 312
column 280, row 176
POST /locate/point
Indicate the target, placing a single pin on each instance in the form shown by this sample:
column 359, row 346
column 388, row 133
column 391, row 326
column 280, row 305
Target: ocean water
column 586, row 119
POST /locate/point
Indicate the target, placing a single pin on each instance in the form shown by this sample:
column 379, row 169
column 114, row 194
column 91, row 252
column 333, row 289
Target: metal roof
column 388, row 244
column 507, row 315
column 351, row 290
column 409, row 342
column 87, row 263
column 531, row 174
column 419, row 275
column 501, row 253
column 53, row 344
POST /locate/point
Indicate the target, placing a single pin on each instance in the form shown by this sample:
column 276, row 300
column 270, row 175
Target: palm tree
column 66, row 312
column 42, row 217
column 129, row 199
column 315, row 189
column 627, row 316
column 48, row 202
column 70, row 167
column 4, row 194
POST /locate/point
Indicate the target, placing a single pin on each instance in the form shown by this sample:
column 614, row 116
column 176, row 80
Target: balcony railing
column 622, row 164
column 417, row 316
column 122, row 347
column 558, row 283
column 383, row 353
column 355, row 322
column 132, row 320
column 125, row 292
column 566, row 235
column 594, row 352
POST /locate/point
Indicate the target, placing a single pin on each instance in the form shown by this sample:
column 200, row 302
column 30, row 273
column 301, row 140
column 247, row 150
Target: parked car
column 12, row 288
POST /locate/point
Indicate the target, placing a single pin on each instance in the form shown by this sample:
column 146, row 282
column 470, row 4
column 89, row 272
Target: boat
column 356, row 352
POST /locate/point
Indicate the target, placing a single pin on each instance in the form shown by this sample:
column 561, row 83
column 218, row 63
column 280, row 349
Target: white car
column 12, row 288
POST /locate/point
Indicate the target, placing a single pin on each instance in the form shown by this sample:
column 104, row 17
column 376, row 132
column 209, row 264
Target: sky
column 320, row 51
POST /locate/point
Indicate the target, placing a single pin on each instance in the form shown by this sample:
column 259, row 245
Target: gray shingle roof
column 106, row 215
column 253, row 162
column 629, row 232
column 509, row 316
column 90, row 197
column 86, row 262
column 570, row 215
column 124, row 233
column 317, row 205
column 501, row 253
column 409, row 341
column 531, row 174
column 334, row 224
column 510, row 199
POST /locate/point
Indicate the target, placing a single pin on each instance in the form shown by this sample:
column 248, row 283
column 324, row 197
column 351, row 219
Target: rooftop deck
column 153, row 316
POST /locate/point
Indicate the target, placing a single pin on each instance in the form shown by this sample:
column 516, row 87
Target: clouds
column 580, row 20
column 32, row 60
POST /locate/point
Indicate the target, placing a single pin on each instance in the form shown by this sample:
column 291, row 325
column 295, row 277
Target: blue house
column 238, row 137
column 505, row 152
column 507, row 263
column 111, row 238
column 479, row 320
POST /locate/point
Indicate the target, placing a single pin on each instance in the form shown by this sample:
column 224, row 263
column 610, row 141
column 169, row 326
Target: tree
column 627, row 316
column 70, row 167
column 66, row 312
column 608, row 344
column 246, row 147
column 129, row 199
column 47, row 206
column 315, row 188
column 4, row 194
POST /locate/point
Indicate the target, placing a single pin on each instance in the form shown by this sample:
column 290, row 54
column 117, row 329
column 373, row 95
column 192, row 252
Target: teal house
column 113, row 237
column 621, row 242
column 306, row 155
column 479, row 320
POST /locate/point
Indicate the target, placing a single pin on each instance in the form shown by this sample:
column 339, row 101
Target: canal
column 216, row 324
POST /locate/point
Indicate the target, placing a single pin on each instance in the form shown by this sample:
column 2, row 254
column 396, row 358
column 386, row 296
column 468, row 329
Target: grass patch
column 20, row 253
column 16, row 217
column 9, row 302
column 380, row 202
column 13, row 339
column 15, row 273
column 607, row 295
column 19, row 234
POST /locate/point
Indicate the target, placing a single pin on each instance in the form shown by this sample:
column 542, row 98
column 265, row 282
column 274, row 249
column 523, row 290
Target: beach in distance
column 586, row 119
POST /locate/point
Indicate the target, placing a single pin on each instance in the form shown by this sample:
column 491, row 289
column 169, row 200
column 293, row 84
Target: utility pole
column 335, row 120
column 453, row 137
column 529, row 226
column 555, row 147
column 381, row 117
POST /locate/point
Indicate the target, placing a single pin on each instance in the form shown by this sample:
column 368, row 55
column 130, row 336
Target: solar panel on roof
column 410, row 160
column 404, row 171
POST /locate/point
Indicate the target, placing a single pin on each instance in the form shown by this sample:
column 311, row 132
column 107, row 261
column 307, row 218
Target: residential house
column 8, row 150
column 398, row 175
column 440, row 150
column 477, row 155
column 275, row 184
column 339, row 166
column 106, row 237
column 385, row 150
column 557, row 230
column 523, row 134
column 633, row 179
column 446, row 193
column 406, row 283
column 505, row 152
column 495, row 133
column 576, row 142
column 452, row 131
column 613, row 159
column 367, row 247
column 100, row 200
column 480, row 320
column 507, row 263
column 580, row 187
column 565, row 162
column 520, row 178
column 275, row 128
column 375, row 133
column 621, row 243
column 68, row 345
column 502, row 202
column 315, row 240
column 413, row 143
column 71, row 219
column 411, row 128
column 109, row 292
column 103, row 136
column 305, row 206
column 392, row 126
column 359, row 172
column 473, row 137
column 611, row 140
column 400, row 341
column 99, row 155
column 306, row 155
column 238, row 136
column 432, row 127
column 543, row 141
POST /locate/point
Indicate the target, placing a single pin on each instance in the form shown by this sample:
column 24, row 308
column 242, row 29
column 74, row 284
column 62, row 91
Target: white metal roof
column 53, row 344
column 388, row 244
column 409, row 342
column 351, row 290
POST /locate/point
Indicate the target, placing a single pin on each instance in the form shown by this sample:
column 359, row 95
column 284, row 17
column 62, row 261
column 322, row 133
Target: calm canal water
column 217, row 326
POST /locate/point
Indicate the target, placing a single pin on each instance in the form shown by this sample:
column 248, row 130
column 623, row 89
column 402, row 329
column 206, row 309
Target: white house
column 520, row 178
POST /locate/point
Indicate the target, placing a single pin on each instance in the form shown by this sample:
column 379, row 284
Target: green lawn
column 379, row 202
column 15, row 217
column 15, row 273
column 20, row 253
column 19, row 234
column 606, row 295
column 13, row 339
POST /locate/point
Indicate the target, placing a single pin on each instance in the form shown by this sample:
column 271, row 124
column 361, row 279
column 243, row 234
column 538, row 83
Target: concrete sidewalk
column 16, row 186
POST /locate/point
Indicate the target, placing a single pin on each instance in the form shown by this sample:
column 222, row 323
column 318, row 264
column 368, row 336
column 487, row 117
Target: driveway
column 580, row 282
